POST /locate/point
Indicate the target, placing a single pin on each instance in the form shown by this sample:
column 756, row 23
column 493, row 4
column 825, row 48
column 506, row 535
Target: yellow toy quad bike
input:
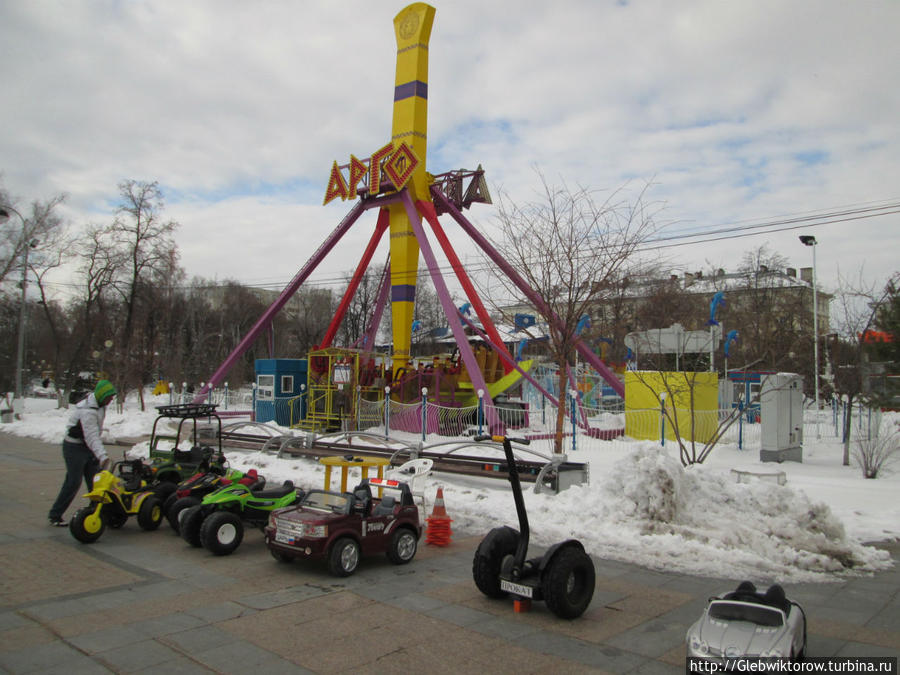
column 116, row 495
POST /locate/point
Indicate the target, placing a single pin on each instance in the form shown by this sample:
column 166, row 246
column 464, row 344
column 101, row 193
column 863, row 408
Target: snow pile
column 650, row 510
column 642, row 506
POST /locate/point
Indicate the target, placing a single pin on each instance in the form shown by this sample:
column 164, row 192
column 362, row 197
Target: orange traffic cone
column 438, row 532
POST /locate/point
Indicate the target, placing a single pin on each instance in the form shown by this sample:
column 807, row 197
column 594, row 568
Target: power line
column 736, row 231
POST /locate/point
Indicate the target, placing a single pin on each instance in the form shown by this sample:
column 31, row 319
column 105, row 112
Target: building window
column 287, row 384
column 265, row 387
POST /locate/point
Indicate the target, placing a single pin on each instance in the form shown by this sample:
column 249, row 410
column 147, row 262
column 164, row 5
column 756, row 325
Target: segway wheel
column 87, row 525
column 499, row 543
column 568, row 583
column 222, row 532
column 150, row 514
column 190, row 522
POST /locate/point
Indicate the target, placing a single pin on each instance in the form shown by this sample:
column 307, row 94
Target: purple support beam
column 440, row 287
column 605, row 372
column 266, row 319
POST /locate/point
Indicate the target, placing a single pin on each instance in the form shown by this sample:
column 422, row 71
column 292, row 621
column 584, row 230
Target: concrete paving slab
column 198, row 639
column 136, row 656
column 146, row 602
column 54, row 656
column 651, row 638
column 180, row 665
column 243, row 657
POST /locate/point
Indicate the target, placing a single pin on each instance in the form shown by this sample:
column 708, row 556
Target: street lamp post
column 809, row 240
column 20, row 353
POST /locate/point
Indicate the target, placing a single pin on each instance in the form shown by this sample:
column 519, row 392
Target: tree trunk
column 847, row 427
column 561, row 409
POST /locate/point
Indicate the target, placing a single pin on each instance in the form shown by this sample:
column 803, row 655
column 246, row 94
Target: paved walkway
column 146, row 602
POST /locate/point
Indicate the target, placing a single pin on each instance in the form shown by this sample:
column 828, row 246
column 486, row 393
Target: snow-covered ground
column 641, row 506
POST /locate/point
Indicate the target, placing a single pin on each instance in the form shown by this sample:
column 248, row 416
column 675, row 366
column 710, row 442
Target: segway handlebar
column 501, row 439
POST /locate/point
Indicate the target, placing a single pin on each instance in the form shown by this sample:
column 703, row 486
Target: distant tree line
column 134, row 314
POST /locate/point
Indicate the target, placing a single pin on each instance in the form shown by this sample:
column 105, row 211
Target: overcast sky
column 739, row 113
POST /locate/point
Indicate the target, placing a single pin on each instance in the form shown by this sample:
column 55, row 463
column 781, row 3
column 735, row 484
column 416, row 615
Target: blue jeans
column 80, row 463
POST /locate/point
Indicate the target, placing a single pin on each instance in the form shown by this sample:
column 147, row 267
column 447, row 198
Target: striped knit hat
column 104, row 391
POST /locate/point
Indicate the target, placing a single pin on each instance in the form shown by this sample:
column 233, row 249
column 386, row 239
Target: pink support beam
column 605, row 372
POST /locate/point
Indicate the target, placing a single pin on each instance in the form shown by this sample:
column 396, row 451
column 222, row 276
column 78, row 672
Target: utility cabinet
column 781, row 417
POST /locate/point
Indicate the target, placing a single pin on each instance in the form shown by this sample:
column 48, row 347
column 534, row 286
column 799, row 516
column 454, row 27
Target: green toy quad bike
column 217, row 523
column 116, row 495
column 190, row 492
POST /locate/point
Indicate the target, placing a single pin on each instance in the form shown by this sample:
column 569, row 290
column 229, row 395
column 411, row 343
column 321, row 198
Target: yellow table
column 345, row 463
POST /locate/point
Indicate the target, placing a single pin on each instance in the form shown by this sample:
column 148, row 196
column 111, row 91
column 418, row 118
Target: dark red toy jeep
column 339, row 527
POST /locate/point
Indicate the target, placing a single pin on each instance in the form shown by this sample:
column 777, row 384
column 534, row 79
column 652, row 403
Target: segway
column 563, row 577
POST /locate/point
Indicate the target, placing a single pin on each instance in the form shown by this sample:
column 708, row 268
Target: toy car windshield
column 745, row 611
column 327, row 502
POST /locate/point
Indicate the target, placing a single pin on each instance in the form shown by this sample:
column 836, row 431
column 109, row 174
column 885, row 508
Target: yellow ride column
column 412, row 27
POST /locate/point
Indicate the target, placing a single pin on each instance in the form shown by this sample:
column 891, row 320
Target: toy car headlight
column 272, row 520
column 698, row 646
column 315, row 531
column 772, row 654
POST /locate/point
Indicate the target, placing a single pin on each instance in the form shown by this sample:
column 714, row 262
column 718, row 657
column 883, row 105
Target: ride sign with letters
column 398, row 163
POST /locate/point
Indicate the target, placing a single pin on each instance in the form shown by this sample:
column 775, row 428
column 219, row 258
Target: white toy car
column 746, row 623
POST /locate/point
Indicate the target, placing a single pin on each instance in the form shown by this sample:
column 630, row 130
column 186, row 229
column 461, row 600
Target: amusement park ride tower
column 394, row 181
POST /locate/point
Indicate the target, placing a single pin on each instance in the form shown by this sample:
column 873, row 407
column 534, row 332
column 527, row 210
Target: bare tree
column 34, row 228
column 362, row 305
column 41, row 232
column 572, row 250
column 144, row 241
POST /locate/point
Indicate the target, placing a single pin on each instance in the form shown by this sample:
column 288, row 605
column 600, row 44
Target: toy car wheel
column 165, row 488
column 344, row 557
column 150, row 513
column 87, row 525
column 113, row 516
column 190, row 521
column 499, row 543
column 281, row 557
column 222, row 532
column 402, row 548
column 176, row 511
column 568, row 583
column 167, row 504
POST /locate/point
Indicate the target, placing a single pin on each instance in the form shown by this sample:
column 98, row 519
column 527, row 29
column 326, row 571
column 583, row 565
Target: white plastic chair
column 414, row 473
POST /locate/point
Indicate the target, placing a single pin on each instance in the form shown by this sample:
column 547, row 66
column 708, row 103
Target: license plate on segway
column 516, row 589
